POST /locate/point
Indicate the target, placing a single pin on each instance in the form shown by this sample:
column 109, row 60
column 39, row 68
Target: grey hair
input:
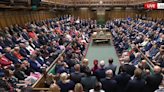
column 33, row 55
column 108, row 73
column 126, row 59
column 102, row 64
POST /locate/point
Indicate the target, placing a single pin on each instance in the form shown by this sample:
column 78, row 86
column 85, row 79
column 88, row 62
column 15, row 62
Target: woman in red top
column 25, row 26
column 95, row 67
column 16, row 53
column 31, row 33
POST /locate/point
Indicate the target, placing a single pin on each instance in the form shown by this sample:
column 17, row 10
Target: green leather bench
column 52, row 70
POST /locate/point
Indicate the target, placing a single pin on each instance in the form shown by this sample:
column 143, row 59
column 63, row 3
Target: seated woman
column 17, row 54
column 13, row 82
column 65, row 84
column 144, row 43
column 26, row 68
column 21, row 75
column 95, row 67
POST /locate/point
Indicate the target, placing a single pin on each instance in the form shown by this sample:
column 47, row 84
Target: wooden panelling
column 20, row 17
column 13, row 20
column 3, row 21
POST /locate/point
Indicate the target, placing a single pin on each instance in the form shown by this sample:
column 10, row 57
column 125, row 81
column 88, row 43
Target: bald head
column 157, row 70
column 7, row 49
column 143, row 62
column 102, row 64
column 109, row 73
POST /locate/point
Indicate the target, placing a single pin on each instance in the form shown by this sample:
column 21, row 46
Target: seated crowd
column 134, row 75
column 26, row 52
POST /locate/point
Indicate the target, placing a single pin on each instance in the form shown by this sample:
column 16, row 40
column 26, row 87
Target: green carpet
column 102, row 53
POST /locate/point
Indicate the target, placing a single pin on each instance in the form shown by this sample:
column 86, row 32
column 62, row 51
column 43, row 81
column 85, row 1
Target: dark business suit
column 135, row 85
column 136, row 61
column 17, row 30
column 109, row 85
column 112, row 67
column 14, row 39
column 12, row 57
column 148, row 46
column 76, row 77
column 42, row 40
column 19, row 75
column 66, row 87
column 61, row 70
column 34, row 66
column 24, row 52
column 88, row 82
column 37, row 44
column 100, row 73
column 122, row 80
column 130, row 69
column 9, row 42
column 26, row 36
column 153, row 81
column 40, row 61
column 71, row 63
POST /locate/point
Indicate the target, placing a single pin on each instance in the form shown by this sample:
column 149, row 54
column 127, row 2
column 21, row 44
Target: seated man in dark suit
column 25, row 34
column 76, row 76
column 35, row 64
column 122, row 79
column 58, row 65
column 17, row 28
column 136, row 60
column 11, row 56
column 62, row 69
column 8, row 41
column 148, row 46
column 100, row 73
column 153, row 81
column 36, row 43
column 23, row 51
column 16, row 39
column 130, row 68
column 108, row 84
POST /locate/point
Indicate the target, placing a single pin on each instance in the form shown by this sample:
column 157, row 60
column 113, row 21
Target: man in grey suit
column 111, row 66
column 76, row 76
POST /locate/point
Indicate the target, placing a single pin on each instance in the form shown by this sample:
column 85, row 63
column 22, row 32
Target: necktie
column 38, row 64
column 27, row 36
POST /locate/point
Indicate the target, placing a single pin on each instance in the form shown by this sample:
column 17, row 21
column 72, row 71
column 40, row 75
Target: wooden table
column 100, row 40
column 98, row 29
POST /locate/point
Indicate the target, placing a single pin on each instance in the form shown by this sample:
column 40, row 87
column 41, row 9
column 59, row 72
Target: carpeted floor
column 102, row 53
